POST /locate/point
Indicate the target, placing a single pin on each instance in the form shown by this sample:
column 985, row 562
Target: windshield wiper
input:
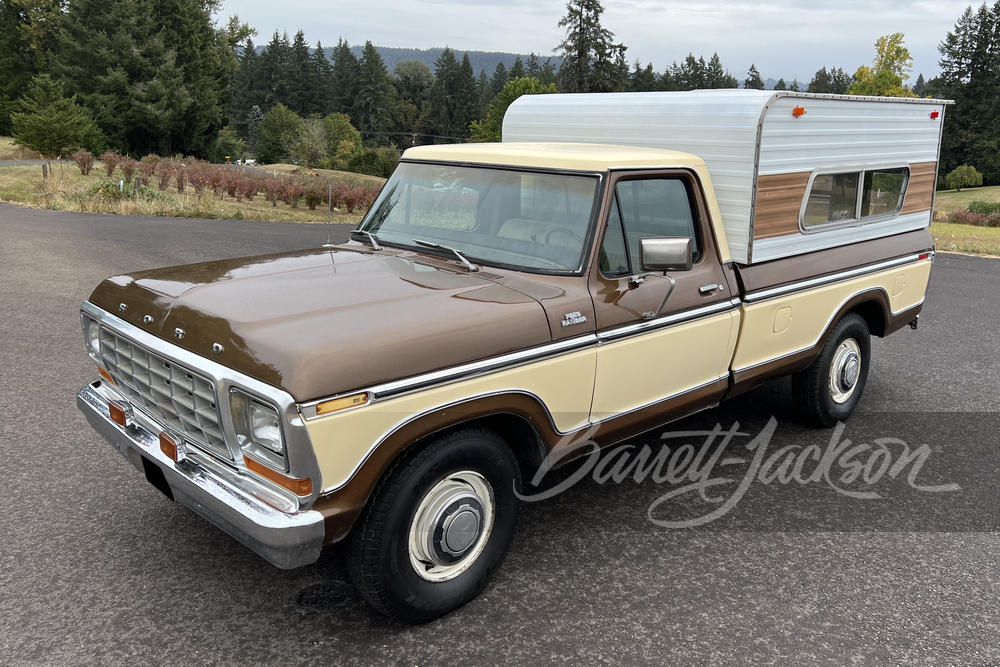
column 371, row 237
column 458, row 253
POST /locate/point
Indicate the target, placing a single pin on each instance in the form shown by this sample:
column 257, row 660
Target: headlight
column 258, row 429
column 92, row 337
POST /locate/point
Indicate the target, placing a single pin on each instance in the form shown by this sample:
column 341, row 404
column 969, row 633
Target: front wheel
column 437, row 526
column 829, row 390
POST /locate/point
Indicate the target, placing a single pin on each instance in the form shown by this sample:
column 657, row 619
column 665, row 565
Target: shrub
column 984, row 207
column 182, row 178
column 147, row 167
column 216, row 180
column 374, row 161
column 273, row 190
column 315, row 192
column 351, row 198
column 84, row 160
column 198, row 176
column 963, row 217
column 292, row 192
column 249, row 185
column 164, row 174
column 963, row 177
column 110, row 160
column 128, row 166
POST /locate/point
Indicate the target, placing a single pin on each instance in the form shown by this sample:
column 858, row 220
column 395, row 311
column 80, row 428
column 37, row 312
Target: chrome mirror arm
column 651, row 315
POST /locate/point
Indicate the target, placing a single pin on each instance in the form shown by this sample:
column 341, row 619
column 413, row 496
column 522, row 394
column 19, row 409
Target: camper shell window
column 845, row 197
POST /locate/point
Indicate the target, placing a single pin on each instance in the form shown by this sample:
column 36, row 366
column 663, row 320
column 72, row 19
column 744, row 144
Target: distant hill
column 481, row 60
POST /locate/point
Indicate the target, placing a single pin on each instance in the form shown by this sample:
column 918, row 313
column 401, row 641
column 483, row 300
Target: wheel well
column 874, row 315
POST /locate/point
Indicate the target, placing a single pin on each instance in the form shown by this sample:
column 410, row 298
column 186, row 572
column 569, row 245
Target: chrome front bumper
column 287, row 540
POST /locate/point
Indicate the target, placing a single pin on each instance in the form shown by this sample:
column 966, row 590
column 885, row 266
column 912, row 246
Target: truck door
column 655, row 364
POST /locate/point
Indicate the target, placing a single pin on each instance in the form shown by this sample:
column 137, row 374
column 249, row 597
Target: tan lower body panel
column 648, row 368
column 788, row 324
column 564, row 384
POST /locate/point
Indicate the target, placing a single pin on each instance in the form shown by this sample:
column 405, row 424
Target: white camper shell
column 793, row 172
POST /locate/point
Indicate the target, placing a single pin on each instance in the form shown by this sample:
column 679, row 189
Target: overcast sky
column 785, row 38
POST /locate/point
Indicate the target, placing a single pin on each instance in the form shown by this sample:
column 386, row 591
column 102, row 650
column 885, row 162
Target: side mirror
column 672, row 253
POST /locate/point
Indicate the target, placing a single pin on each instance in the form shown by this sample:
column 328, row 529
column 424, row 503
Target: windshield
column 532, row 220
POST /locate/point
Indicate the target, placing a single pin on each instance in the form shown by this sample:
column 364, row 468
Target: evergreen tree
column 840, row 81
column 920, row 86
column 372, row 110
column 322, row 74
column 716, row 75
column 154, row 75
column 28, row 35
column 253, row 120
column 47, row 121
column 795, row 86
column 821, row 82
column 692, row 74
column 246, row 91
column 591, row 60
column 643, row 79
column 517, row 69
column 499, row 78
column 781, row 85
column 485, row 89
column 455, row 98
column 970, row 75
column 346, row 77
column 275, row 64
column 300, row 78
column 753, row 80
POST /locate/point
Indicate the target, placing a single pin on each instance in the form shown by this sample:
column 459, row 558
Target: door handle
column 705, row 290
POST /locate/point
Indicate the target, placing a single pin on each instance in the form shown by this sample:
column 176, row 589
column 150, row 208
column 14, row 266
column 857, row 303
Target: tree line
column 145, row 76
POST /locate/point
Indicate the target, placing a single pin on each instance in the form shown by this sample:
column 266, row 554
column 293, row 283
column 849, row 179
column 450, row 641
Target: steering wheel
column 567, row 232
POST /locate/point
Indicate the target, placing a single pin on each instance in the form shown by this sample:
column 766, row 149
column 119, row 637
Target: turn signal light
column 798, row 112
column 326, row 407
column 300, row 487
column 106, row 376
column 168, row 446
column 117, row 413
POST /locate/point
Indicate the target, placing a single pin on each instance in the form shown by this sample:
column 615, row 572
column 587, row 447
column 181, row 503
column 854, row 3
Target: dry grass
column 966, row 238
column 11, row 151
column 68, row 190
column 347, row 176
column 947, row 201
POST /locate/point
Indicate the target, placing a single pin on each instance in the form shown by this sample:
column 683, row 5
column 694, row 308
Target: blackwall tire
column 437, row 526
column 829, row 390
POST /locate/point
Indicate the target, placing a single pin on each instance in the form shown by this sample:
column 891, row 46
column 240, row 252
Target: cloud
column 784, row 38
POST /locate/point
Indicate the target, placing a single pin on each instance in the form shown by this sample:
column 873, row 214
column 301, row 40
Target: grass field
column 966, row 238
column 947, row 201
column 11, row 151
column 68, row 190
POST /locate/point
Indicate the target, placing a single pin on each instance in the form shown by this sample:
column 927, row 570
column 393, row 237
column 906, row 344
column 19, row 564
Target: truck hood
column 325, row 321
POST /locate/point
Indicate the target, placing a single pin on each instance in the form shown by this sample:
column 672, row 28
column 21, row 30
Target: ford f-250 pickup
column 498, row 304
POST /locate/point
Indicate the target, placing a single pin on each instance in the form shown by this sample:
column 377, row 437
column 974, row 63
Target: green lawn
column 950, row 200
column 966, row 238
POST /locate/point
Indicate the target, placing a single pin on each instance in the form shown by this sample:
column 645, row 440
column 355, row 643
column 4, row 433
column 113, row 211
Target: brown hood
column 323, row 322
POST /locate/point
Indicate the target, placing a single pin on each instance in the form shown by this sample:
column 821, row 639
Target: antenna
column 329, row 214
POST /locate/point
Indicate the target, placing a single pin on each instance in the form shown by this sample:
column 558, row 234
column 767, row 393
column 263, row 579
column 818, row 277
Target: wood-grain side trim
column 779, row 200
column 920, row 188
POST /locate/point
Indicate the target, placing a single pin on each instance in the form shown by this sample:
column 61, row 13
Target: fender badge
column 573, row 318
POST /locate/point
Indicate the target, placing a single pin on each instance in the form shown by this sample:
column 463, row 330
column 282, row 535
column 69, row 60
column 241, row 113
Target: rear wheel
column 829, row 390
column 437, row 526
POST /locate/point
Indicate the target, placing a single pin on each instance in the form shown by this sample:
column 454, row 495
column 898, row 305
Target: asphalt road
column 98, row 568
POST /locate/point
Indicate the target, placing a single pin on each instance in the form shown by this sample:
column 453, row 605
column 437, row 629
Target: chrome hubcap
column 451, row 526
column 845, row 371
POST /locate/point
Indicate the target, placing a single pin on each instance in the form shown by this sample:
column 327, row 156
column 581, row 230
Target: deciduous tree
column 892, row 66
column 491, row 128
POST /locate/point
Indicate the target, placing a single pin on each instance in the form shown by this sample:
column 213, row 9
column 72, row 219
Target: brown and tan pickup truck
column 500, row 303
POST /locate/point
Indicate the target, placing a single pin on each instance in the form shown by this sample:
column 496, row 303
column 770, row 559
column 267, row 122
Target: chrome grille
column 170, row 393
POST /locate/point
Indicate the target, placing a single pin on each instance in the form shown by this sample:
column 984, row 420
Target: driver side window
column 647, row 208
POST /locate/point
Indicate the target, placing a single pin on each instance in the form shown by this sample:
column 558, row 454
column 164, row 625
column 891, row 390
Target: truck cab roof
column 556, row 155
